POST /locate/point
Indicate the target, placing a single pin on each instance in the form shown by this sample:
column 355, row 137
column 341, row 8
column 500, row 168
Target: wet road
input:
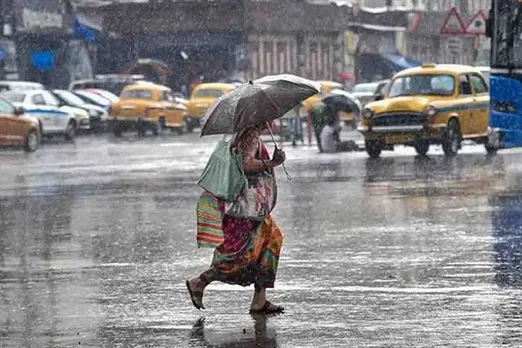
column 97, row 238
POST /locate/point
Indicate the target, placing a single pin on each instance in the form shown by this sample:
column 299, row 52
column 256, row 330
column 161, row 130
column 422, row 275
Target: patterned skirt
column 252, row 258
column 248, row 252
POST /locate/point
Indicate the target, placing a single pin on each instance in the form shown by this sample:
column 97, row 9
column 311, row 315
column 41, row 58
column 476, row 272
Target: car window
column 5, row 107
column 464, row 85
column 440, row 85
column 167, row 96
column 136, row 94
column 38, row 99
column 479, row 85
column 50, row 99
column 365, row 88
column 14, row 97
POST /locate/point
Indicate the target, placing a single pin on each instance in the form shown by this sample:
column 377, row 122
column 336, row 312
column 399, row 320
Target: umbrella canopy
column 257, row 102
column 342, row 100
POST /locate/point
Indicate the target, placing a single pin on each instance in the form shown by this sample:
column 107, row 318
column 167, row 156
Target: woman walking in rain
column 249, row 253
column 234, row 211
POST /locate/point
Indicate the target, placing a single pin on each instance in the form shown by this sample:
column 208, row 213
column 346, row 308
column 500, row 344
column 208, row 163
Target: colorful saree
column 246, row 251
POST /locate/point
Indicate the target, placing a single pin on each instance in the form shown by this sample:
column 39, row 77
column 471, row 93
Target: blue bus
column 504, row 27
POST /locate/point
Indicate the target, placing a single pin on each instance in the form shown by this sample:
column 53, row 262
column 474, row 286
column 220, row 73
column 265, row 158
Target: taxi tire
column 491, row 150
column 373, row 148
column 155, row 129
column 116, row 129
column 451, row 135
column 162, row 124
column 142, row 128
column 422, row 147
column 31, row 141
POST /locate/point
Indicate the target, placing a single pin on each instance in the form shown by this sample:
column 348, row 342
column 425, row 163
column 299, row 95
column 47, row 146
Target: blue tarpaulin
column 402, row 62
column 84, row 29
column 42, row 60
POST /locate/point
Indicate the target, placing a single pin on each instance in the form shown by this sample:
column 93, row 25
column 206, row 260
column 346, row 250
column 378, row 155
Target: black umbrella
column 342, row 101
column 257, row 102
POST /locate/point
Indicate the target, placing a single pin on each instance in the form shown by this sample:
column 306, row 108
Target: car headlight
column 367, row 113
column 93, row 113
column 431, row 110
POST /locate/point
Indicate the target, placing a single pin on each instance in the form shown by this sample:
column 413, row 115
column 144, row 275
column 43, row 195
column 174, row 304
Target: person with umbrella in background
column 319, row 114
column 337, row 101
column 236, row 219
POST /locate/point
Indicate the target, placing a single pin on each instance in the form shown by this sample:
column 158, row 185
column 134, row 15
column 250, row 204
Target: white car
column 19, row 86
column 51, row 119
column 99, row 117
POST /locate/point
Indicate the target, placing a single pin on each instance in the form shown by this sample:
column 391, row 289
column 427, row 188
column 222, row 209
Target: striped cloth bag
column 209, row 222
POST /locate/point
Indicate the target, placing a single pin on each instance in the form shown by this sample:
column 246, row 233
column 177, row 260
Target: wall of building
column 310, row 54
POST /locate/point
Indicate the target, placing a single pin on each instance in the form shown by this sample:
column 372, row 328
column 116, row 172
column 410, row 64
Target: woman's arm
column 248, row 149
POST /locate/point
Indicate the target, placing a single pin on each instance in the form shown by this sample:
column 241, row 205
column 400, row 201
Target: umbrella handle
column 288, row 176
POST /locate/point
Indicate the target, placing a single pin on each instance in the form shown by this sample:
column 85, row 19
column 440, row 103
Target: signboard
column 477, row 25
column 41, row 16
column 453, row 24
column 454, row 45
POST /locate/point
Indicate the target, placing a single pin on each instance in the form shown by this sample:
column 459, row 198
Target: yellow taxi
column 147, row 106
column 431, row 104
column 203, row 96
column 326, row 88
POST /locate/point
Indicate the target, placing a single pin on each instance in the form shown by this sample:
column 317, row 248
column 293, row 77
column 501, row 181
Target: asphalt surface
column 98, row 237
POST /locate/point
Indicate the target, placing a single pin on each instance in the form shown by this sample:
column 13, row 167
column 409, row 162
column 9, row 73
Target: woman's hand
column 278, row 158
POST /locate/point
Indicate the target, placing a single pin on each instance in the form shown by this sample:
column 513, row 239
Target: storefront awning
column 401, row 61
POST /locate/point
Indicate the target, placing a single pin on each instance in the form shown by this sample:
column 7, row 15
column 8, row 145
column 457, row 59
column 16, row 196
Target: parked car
column 368, row 92
column 93, row 98
column 203, row 96
column 98, row 116
column 19, row 85
column 147, row 106
column 113, row 98
column 45, row 97
column 51, row 120
column 432, row 104
column 17, row 129
column 110, row 82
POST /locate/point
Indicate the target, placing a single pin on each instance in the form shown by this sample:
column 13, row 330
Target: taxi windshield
column 441, row 85
column 136, row 94
column 208, row 93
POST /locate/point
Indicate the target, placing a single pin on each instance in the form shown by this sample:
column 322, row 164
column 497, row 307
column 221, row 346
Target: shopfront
column 377, row 56
column 47, row 50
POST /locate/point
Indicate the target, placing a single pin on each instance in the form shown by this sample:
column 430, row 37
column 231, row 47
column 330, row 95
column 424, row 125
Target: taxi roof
column 149, row 86
column 450, row 69
column 215, row 85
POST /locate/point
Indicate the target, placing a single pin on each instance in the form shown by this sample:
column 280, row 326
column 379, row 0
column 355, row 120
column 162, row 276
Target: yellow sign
column 351, row 40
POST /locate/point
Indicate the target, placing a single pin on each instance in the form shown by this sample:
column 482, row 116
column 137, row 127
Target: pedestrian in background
column 297, row 126
column 319, row 114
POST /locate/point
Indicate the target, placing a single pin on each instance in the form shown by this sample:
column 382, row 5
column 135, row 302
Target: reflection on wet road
column 97, row 238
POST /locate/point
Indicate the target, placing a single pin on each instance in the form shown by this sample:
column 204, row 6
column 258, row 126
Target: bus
column 504, row 28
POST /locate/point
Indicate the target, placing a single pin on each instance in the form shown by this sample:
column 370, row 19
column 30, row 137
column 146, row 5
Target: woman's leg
column 197, row 285
column 269, row 260
column 260, row 303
